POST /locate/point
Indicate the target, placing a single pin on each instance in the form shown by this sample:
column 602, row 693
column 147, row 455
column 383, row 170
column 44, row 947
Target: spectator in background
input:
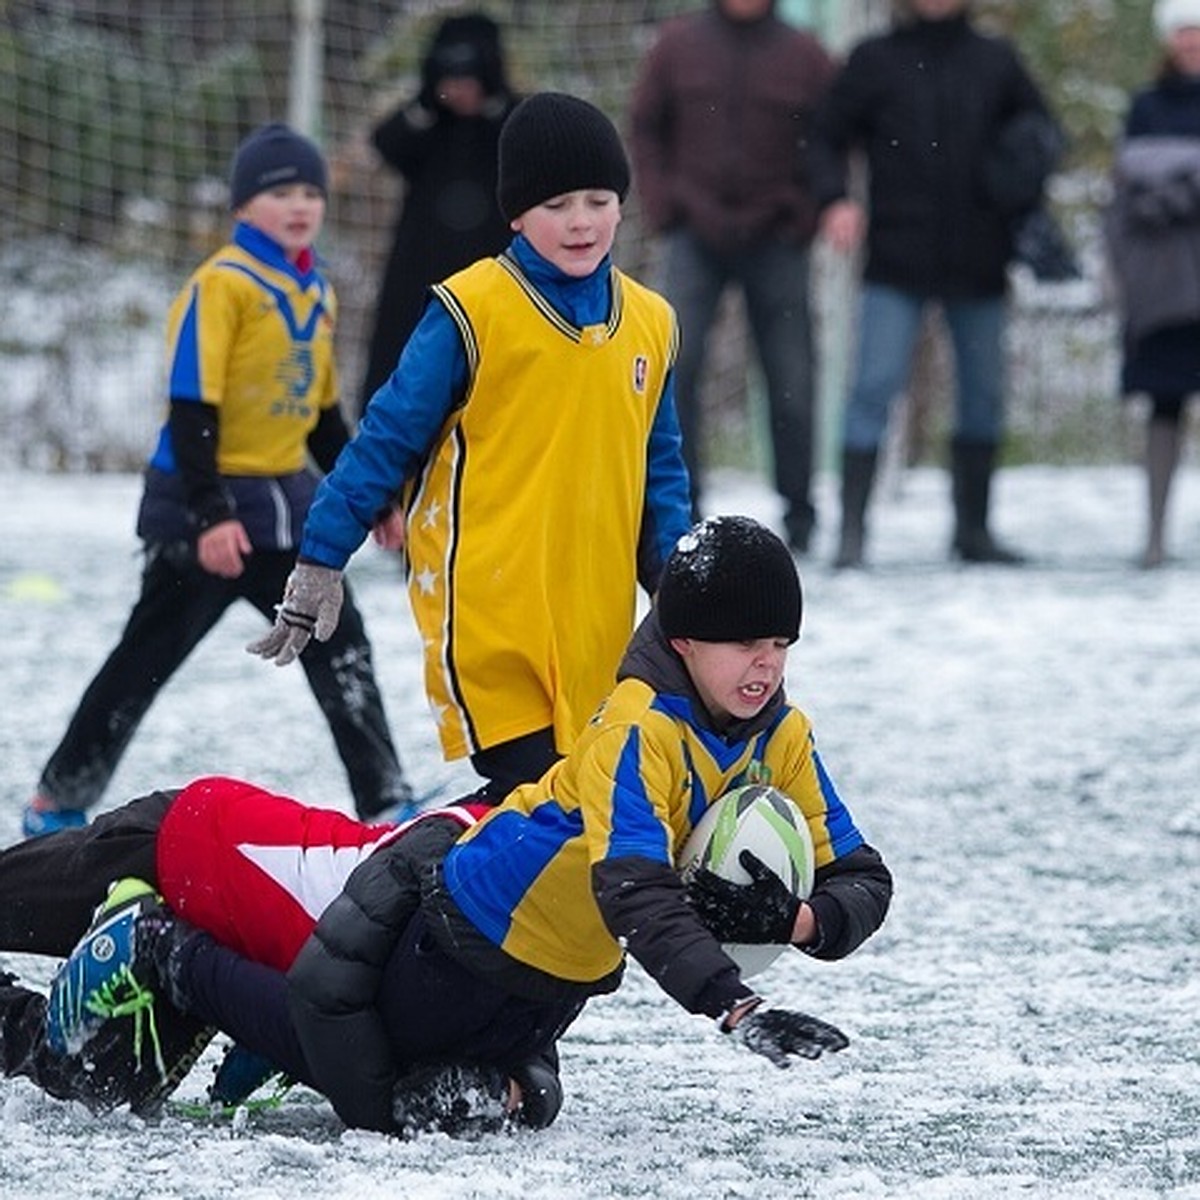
column 443, row 142
column 253, row 393
column 1154, row 237
column 719, row 126
column 927, row 104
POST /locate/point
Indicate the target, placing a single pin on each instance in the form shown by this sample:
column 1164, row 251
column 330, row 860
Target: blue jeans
column 889, row 322
column 773, row 277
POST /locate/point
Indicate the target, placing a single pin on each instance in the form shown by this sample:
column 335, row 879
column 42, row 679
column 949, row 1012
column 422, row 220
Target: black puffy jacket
column 926, row 104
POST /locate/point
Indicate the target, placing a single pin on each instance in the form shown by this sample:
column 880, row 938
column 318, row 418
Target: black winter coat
column 448, row 217
column 925, row 104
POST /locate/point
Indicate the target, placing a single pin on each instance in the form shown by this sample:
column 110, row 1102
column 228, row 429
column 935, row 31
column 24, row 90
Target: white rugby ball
column 768, row 823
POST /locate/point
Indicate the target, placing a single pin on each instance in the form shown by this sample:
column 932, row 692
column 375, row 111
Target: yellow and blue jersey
column 251, row 334
column 637, row 781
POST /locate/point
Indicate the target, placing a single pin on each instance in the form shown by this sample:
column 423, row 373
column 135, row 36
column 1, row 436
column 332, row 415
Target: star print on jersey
column 430, row 515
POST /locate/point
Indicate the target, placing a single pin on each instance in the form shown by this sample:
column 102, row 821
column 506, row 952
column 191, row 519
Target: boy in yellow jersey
column 530, row 427
column 253, row 392
column 479, row 948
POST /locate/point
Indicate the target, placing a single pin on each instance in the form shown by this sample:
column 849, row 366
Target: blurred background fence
column 118, row 118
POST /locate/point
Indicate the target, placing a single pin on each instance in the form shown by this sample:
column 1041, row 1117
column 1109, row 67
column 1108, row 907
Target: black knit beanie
column 730, row 579
column 554, row 143
column 271, row 156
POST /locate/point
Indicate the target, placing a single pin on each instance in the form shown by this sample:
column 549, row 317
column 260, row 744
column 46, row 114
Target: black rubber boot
column 972, row 466
column 858, row 476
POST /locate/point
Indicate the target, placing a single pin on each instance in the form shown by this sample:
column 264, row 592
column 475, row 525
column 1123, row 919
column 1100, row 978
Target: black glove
column 760, row 912
column 776, row 1033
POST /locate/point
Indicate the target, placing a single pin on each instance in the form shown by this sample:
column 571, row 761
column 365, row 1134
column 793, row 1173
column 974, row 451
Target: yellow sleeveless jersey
column 524, row 524
column 256, row 342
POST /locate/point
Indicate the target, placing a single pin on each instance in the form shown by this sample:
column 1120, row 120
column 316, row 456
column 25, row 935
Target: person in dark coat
column 1153, row 230
column 926, row 105
column 444, row 144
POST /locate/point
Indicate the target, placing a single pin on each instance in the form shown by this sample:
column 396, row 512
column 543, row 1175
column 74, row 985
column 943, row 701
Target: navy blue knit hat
column 554, row 143
column 271, row 156
column 730, row 579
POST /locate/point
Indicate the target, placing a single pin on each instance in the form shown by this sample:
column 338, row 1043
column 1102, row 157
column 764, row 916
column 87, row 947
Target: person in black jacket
column 925, row 105
column 443, row 142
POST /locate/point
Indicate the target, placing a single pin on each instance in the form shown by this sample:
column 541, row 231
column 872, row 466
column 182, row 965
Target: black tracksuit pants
column 179, row 604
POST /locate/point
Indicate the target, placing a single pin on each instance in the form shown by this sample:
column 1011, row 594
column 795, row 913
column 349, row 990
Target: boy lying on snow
column 453, row 952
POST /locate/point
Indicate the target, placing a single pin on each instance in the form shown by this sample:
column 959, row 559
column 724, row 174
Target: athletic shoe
column 101, row 980
column 241, row 1073
column 37, row 822
column 113, row 1071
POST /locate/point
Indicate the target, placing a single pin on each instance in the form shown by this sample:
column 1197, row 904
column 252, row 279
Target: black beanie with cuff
column 273, row 156
column 730, row 579
column 553, row 143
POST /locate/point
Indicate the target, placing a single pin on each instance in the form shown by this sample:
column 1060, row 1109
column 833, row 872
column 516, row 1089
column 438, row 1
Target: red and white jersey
column 256, row 870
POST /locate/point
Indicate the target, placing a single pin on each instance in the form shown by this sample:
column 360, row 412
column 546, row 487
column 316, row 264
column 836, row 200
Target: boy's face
column 574, row 231
column 291, row 214
column 734, row 679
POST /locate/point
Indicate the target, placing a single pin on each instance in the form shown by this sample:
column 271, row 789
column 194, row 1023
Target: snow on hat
column 730, row 579
column 554, row 143
column 271, row 156
column 1172, row 15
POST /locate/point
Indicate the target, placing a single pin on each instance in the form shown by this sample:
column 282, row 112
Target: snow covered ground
column 1022, row 745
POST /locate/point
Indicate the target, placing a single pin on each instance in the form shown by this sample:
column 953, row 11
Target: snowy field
column 1022, row 745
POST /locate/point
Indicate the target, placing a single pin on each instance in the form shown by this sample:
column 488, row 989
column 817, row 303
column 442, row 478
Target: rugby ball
column 763, row 820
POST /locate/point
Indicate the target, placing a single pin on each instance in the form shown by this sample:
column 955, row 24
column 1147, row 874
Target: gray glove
column 312, row 600
column 776, row 1033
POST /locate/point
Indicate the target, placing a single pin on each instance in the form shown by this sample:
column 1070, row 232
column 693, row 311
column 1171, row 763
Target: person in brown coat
column 720, row 116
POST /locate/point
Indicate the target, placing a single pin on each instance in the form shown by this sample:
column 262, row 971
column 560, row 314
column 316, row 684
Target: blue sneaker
column 241, row 1073
column 37, row 822
column 101, row 980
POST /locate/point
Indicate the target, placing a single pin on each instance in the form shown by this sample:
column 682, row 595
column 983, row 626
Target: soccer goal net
column 116, row 132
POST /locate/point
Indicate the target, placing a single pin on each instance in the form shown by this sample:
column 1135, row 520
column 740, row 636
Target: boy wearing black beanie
column 530, row 428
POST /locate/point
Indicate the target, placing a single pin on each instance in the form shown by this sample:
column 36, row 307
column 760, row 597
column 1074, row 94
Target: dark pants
column 506, row 766
column 434, row 1009
column 50, row 886
column 178, row 606
column 49, row 889
column 774, row 279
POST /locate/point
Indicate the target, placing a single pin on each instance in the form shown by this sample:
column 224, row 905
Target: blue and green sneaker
column 102, row 979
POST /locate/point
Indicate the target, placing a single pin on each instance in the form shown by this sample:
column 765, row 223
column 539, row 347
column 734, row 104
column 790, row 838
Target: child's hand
column 776, row 1033
column 312, row 600
column 390, row 530
column 221, row 548
column 760, row 912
